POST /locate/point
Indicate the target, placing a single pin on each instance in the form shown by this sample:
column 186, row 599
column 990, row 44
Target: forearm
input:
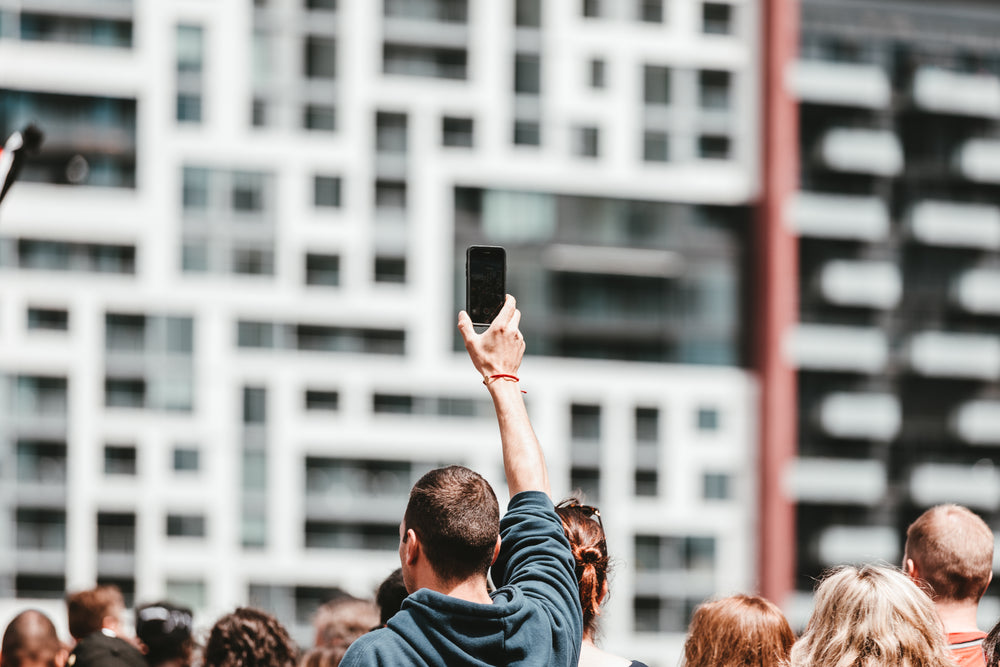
column 523, row 460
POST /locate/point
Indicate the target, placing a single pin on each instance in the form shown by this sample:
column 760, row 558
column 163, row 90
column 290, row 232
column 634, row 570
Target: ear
column 910, row 568
column 496, row 551
column 411, row 547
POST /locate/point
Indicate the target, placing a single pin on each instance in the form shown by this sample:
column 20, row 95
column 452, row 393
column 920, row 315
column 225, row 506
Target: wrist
column 494, row 381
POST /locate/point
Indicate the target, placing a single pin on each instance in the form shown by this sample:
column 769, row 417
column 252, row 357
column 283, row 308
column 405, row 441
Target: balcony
column 954, row 355
column 836, row 481
column 838, row 216
column 977, row 422
column 837, row 348
column 840, row 84
column 612, row 261
column 977, row 291
column 866, row 416
column 977, row 487
column 861, row 151
column 953, row 224
column 979, row 160
column 838, row 545
column 958, row 93
column 864, row 284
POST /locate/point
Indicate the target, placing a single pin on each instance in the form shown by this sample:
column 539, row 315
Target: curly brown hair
column 590, row 551
column 249, row 637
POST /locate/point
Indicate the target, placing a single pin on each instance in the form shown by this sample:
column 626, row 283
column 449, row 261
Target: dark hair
column 590, row 551
column 991, row 646
column 86, row 610
column 249, row 638
column 165, row 629
column 455, row 515
column 390, row 595
column 30, row 637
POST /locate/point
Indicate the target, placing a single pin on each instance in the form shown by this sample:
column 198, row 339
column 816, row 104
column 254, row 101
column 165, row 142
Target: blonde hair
column 871, row 616
column 952, row 549
column 738, row 631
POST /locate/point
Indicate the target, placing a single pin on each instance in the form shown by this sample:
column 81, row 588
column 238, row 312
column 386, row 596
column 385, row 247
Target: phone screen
column 485, row 278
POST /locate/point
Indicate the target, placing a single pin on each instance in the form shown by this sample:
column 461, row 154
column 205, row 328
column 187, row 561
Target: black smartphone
column 485, row 283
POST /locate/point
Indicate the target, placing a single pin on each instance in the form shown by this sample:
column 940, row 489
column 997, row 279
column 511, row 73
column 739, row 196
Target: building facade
column 229, row 285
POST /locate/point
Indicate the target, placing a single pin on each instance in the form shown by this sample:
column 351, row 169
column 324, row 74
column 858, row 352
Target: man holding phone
column 451, row 533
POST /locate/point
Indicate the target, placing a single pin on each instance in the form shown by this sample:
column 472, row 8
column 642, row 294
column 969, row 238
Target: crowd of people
column 527, row 588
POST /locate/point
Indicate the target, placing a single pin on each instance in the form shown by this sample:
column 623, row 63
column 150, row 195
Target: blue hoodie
column 535, row 618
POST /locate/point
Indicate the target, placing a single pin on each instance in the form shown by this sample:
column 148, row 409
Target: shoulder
column 378, row 647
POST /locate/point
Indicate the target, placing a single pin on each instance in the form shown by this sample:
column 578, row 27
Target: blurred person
column 343, row 619
column 991, row 646
column 31, row 640
column 165, row 634
column 323, row 656
column 949, row 552
column 871, row 616
column 95, row 621
column 585, row 532
column 249, row 637
column 738, row 631
column 451, row 532
column 390, row 595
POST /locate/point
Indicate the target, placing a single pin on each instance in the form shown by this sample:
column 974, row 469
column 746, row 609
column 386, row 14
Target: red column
column 777, row 308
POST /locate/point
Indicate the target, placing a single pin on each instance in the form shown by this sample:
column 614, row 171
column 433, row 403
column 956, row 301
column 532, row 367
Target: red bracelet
column 502, row 376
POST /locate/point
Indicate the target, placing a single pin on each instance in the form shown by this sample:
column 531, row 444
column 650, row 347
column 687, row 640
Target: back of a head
column 390, row 595
column 871, row 616
column 456, row 517
column 30, row 640
column 87, row 610
column 249, row 637
column 343, row 619
column 323, row 656
column 736, row 631
column 991, row 646
column 590, row 551
column 165, row 629
column 952, row 549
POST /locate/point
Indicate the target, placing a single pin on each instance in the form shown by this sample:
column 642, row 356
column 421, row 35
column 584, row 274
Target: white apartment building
column 229, row 286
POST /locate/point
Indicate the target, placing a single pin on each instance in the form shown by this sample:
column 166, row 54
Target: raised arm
column 498, row 351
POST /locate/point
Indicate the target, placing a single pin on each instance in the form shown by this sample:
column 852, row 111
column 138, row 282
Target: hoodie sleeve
column 535, row 557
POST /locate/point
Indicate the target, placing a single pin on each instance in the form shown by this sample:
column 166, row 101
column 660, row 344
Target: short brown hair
column 736, row 631
column 952, row 549
column 86, row 610
column 343, row 619
column 30, row 638
column 456, row 517
column 249, row 637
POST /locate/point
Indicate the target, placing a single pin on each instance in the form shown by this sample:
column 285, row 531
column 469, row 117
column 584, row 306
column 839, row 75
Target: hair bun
column 589, row 555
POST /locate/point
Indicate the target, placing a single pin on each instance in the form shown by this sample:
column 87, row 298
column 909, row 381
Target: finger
column 515, row 320
column 465, row 326
column 503, row 317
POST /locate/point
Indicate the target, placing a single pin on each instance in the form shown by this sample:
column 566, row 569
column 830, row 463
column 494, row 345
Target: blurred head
column 343, row 619
column 991, row 646
column 390, row 596
column 871, row 616
column 323, row 656
column 456, row 518
column 165, row 630
column 737, row 631
column 91, row 610
column 249, row 638
column 590, row 551
column 30, row 640
column 951, row 549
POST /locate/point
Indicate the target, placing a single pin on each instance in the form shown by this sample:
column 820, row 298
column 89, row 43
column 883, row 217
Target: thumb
column 465, row 326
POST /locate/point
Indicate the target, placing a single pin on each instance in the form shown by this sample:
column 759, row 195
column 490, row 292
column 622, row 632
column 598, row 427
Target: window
column 717, row 18
column 708, row 419
column 254, row 334
column 191, row 593
column 187, row 459
column 527, row 133
column 646, row 483
column 258, row 113
column 587, row 480
column 254, row 405
column 124, row 392
column 390, row 195
column 715, row 486
column 651, row 11
column 528, row 13
column 248, row 192
column 586, row 141
column 656, row 84
column 713, row 147
column 253, row 261
column 323, row 270
column 390, row 269
column 320, row 57
column 456, row 132
column 319, row 117
column 185, row 525
column 51, row 319
column 119, row 460
column 591, row 8
column 715, row 89
column 392, row 404
column 323, row 400
column 585, row 422
column 190, row 48
column 655, row 146
column 336, row 535
column 321, row 4
column 188, row 108
column 326, row 191
column 195, row 190
column 437, row 62
column 116, row 532
column 390, row 132
column 597, row 73
column 527, row 74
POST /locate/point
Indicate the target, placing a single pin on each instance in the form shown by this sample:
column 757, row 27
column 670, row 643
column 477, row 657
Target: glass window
column 326, row 191
column 717, row 18
column 321, row 4
column 116, row 532
column 320, row 117
column 188, row 108
column 254, row 405
column 185, row 525
column 438, row 62
column 708, row 419
column 255, row 334
column 179, row 334
column 392, row 403
column 646, row 483
column 51, row 319
column 647, row 424
column 591, row 8
column 320, row 57
column 651, row 11
column 253, row 261
column 191, row 593
column 390, row 132
column 527, row 133
column 713, row 147
column 319, row 399
column 597, row 73
column 655, row 146
column 195, row 192
column 248, row 192
column 527, row 74
column 390, row 195
column 119, row 460
column 124, row 392
column 586, row 141
column 190, row 48
column 456, row 132
column 585, row 422
column 587, row 480
column 322, row 270
column 656, row 84
column 715, row 88
column 390, row 269
column 528, row 13
column 715, row 486
column 187, row 458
